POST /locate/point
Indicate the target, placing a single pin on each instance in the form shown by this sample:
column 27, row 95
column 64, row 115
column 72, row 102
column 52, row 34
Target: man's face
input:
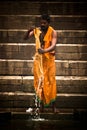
column 44, row 25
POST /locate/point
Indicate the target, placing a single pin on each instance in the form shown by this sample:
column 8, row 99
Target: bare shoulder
column 54, row 33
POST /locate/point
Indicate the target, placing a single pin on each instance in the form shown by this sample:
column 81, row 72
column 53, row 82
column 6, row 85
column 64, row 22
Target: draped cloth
column 44, row 69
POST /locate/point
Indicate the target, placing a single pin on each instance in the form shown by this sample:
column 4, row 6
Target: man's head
column 45, row 21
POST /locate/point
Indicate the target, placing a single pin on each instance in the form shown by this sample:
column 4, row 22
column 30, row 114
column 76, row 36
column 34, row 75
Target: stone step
column 26, row 7
column 25, row 67
column 25, row 100
column 62, row 114
column 64, row 36
column 47, row 118
column 48, row 110
column 59, row 22
column 5, row 116
column 65, row 84
column 26, row 51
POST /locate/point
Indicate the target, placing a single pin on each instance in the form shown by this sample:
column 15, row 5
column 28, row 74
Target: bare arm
column 53, row 44
column 29, row 33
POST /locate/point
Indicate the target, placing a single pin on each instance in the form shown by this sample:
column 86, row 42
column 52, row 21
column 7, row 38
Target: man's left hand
column 41, row 51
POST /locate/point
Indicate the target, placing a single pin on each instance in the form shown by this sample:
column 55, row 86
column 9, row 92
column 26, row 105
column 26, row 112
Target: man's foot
column 54, row 107
column 54, row 110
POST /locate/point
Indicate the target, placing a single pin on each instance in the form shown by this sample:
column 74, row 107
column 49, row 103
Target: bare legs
column 41, row 107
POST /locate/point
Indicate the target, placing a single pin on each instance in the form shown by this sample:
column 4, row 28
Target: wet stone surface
column 42, row 124
column 22, row 121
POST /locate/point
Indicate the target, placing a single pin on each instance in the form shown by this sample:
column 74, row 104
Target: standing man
column 44, row 62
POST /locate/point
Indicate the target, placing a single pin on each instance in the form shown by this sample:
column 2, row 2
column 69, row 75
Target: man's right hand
column 27, row 33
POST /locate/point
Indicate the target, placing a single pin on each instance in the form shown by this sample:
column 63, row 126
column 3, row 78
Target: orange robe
column 44, row 70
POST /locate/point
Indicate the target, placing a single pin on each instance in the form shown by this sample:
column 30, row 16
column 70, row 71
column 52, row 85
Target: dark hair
column 45, row 17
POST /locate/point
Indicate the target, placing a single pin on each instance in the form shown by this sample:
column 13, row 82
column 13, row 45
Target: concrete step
column 59, row 22
column 25, row 67
column 26, row 51
column 25, row 100
column 26, row 7
column 64, row 36
column 65, row 84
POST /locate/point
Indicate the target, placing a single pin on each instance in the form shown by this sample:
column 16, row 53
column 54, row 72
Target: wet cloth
column 44, row 69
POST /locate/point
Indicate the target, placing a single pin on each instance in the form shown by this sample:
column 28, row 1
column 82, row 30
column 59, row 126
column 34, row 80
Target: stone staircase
column 16, row 77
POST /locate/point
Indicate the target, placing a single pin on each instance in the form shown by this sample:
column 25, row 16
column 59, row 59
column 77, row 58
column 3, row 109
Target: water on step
column 35, row 113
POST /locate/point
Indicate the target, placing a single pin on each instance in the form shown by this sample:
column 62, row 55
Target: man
column 44, row 62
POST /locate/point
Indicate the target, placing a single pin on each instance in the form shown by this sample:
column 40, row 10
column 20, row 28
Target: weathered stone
column 21, row 100
column 25, row 67
column 59, row 22
column 26, row 51
column 26, row 7
column 65, row 84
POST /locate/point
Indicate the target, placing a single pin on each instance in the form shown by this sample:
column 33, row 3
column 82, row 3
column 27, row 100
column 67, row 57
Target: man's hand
column 26, row 36
column 41, row 51
column 27, row 33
